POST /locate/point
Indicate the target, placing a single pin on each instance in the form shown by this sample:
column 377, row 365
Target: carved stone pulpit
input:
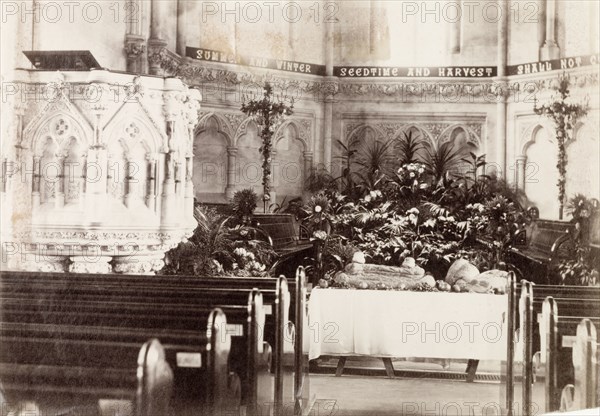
column 96, row 171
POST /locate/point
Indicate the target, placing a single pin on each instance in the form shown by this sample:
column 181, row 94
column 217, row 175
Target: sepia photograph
column 299, row 207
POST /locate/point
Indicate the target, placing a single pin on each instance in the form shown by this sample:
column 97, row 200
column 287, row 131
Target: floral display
column 268, row 114
column 564, row 115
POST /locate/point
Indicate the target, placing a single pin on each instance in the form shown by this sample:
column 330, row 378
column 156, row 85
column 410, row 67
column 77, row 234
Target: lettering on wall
column 279, row 64
column 555, row 64
column 431, row 72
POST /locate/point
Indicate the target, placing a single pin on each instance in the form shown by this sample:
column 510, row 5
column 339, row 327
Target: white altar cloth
column 347, row 322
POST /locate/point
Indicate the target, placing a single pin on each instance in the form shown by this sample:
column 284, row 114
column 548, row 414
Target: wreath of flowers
column 565, row 116
column 268, row 114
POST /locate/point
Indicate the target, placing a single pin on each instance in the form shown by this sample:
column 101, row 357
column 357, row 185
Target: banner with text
column 427, row 72
column 279, row 64
column 544, row 66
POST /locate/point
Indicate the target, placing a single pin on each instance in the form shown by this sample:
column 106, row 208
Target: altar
column 346, row 322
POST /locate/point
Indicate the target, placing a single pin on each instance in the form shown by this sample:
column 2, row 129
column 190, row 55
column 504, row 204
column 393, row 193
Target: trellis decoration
column 564, row 115
column 267, row 113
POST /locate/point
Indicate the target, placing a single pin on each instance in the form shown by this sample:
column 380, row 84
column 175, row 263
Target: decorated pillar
column 182, row 16
column 550, row 49
column 520, row 174
column 152, row 175
column 230, row 188
column 157, row 43
column 455, row 19
column 502, row 90
column 308, row 168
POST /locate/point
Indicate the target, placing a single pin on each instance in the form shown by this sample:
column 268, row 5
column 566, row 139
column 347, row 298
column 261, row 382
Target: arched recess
column 292, row 162
column 461, row 139
column 133, row 143
column 212, row 148
column 248, row 162
column 371, row 150
column 536, row 170
column 417, row 133
column 58, row 139
column 583, row 160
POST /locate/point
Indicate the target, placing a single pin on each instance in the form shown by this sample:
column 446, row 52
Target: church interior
column 312, row 207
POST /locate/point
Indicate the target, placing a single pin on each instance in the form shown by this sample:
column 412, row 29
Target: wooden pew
column 583, row 393
column 284, row 236
column 75, row 373
column 524, row 315
column 560, row 331
column 162, row 316
column 548, row 241
column 123, row 287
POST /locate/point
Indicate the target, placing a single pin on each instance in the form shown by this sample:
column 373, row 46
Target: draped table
column 348, row 322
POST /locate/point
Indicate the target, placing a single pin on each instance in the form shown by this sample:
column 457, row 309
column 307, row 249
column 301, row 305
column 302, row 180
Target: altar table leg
column 389, row 367
column 471, row 370
column 340, row 366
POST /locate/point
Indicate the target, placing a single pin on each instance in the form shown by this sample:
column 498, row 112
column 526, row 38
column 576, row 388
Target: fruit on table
column 323, row 283
column 363, row 285
column 457, row 288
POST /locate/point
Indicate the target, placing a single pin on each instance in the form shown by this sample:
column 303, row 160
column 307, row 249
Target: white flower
column 318, row 208
column 412, row 175
column 412, row 218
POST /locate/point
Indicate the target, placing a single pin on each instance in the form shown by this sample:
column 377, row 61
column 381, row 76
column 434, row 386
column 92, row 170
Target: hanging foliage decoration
column 564, row 115
column 267, row 112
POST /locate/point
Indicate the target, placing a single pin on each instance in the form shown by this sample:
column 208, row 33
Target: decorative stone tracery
column 94, row 173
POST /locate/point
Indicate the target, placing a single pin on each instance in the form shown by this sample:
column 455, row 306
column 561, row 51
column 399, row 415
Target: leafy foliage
column 243, row 204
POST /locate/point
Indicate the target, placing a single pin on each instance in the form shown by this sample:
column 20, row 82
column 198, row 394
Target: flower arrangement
column 268, row 114
column 564, row 115
column 243, row 205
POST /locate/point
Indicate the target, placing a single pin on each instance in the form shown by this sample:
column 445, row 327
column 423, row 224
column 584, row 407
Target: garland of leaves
column 267, row 113
column 565, row 116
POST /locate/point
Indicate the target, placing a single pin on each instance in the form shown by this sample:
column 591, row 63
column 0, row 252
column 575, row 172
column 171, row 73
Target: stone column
column 502, row 84
column 520, row 173
column 60, row 189
column 189, row 187
column 230, row 188
column 183, row 11
column 379, row 35
column 327, row 91
column 151, row 196
column 550, row 49
column 455, row 28
column 308, row 167
column 129, row 183
column 157, row 43
column 35, row 194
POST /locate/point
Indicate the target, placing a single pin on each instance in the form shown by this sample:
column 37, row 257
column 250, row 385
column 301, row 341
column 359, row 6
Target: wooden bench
column 547, row 242
column 562, row 333
column 163, row 315
column 134, row 293
column 74, row 373
column 290, row 242
column 525, row 314
column 583, row 393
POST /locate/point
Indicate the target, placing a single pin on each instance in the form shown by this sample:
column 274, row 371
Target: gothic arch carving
column 61, row 121
column 529, row 135
column 425, row 133
column 243, row 129
column 132, row 115
column 352, row 136
column 301, row 134
column 223, row 126
column 472, row 137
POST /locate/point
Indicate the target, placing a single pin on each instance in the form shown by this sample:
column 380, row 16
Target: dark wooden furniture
column 583, row 393
column 547, row 241
column 176, row 302
column 284, row 235
column 561, row 335
column 71, row 368
column 526, row 314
